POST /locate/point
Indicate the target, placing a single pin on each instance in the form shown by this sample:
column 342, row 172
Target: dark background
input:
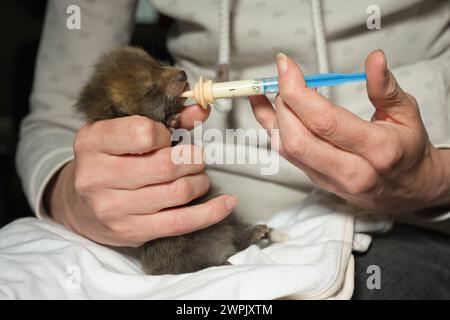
column 21, row 25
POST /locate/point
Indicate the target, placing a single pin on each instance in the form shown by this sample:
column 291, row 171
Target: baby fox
column 125, row 82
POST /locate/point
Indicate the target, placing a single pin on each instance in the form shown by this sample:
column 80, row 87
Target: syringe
column 205, row 91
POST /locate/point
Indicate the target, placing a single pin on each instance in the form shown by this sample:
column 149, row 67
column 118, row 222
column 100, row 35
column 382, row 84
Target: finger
column 163, row 165
column 154, row 198
column 333, row 124
column 343, row 170
column 382, row 87
column 263, row 111
column 126, row 135
column 190, row 115
column 320, row 180
column 178, row 221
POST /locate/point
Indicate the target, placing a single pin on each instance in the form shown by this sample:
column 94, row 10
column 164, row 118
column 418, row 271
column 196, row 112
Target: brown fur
column 126, row 82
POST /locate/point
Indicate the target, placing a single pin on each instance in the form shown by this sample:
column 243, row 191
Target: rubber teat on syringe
column 205, row 91
column 202, row 93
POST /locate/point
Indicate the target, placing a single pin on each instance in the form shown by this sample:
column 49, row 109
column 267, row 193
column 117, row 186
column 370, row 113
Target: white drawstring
column 224, row 32
column 321, row 45
column 223, row 64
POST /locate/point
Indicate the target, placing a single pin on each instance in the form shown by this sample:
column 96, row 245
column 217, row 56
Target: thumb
column 382, row 87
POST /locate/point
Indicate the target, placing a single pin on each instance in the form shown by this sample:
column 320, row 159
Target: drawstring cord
column 224, row 38
column 223, row 64
column 321, row 45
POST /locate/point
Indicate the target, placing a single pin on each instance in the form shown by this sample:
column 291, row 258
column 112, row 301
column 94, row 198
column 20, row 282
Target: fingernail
column 385, row 69
column 282, row 63
column 231, row 202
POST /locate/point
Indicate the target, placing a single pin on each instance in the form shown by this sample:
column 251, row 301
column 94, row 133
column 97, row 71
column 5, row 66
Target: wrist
column 56, row 196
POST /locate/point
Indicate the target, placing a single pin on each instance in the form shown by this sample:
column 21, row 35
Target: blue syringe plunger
column 270, row 84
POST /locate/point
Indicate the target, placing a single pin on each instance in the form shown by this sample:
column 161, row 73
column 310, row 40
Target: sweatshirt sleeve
column 64, row 61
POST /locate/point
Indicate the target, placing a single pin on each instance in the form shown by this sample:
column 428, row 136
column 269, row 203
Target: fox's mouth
column 186, row 87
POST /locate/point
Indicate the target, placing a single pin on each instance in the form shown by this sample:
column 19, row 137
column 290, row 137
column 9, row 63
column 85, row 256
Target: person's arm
column 112, row 181
column 63, row 64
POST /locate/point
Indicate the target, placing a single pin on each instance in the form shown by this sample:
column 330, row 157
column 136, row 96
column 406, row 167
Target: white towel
column 40, row 259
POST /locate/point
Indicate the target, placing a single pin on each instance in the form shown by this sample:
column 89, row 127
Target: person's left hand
column 385, row 164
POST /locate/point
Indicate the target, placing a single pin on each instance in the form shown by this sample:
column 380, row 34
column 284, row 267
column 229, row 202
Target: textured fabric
column 413, row 35
column 414, row 264
column 40, row 259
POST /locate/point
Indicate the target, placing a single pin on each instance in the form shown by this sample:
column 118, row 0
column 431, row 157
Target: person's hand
column 385, row 164
column 123, row 188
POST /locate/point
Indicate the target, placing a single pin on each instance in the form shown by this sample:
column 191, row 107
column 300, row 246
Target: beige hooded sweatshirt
column 415, row 35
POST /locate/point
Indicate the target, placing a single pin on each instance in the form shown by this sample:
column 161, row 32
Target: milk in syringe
column 205, row 91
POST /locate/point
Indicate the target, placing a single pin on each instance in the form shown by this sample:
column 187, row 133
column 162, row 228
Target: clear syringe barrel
column 205, row 91
column 244, row 88
column 268, row 85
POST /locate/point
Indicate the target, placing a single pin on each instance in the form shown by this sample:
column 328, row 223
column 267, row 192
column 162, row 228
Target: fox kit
column 125, row 82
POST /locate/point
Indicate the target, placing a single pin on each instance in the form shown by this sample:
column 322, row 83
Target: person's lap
column 414, row 264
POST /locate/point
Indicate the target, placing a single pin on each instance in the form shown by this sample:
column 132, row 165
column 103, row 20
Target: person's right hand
column 123, row 189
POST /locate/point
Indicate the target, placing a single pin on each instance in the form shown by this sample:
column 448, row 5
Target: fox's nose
column 181, row 76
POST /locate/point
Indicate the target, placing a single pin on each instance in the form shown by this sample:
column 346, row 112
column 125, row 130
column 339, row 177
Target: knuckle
column 391, row 92
column 81, row 182
column 99, row 207
column 362, row 185
column 295, row 147
column 182, row 189
column 323, row 124
column 386, row 162
column 84, row 182
column 181, row 223
column 121, row 229
column 387, row 158
column 167, row 169
column 143, row 131
column 81, row 185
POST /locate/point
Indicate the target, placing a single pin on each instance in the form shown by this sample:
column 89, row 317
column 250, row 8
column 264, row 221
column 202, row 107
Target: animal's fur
column 127, row 82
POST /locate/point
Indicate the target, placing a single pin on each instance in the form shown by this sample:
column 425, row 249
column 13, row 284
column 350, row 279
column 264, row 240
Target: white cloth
column 40, row 259
column 35, row 255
